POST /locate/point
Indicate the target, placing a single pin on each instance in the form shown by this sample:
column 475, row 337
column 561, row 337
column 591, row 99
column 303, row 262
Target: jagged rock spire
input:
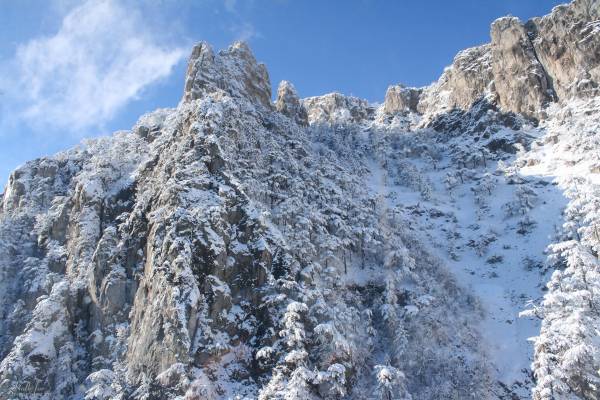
column 234, row 71
column 288, row 103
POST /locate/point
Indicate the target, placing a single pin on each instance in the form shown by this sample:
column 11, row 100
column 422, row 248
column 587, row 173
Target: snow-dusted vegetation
column 442, row 245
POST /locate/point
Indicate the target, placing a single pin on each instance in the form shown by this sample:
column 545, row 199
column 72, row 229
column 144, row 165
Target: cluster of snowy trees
column 47, row 344
column 337, row 336
column 567, row 362
column 567, row 351
column 220, row 250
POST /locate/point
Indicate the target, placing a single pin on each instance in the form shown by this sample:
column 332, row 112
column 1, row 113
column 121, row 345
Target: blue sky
column 76, row 69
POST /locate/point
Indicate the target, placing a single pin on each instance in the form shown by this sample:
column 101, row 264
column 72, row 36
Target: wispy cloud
column 230, row 5
column 102, row 57
column 241, row 28
column 245, row 31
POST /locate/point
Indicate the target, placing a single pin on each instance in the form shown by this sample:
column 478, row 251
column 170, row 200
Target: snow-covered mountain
column 442, row 245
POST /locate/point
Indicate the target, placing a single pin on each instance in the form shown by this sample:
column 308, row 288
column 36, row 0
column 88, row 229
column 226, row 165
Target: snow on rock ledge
column 288, row 103
column 234, row 71
column 461, row 84
column 335, row 108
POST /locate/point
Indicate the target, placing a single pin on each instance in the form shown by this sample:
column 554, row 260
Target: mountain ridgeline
column 442, row 245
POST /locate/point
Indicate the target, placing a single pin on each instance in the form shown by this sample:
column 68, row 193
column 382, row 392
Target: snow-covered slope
column 323, row 248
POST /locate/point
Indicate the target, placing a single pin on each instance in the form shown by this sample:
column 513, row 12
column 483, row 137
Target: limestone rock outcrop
column 462, row 84
column 567, row 43
column 288, row 103
column 337, row 108
column 234, row 71
column 526, row 66
column 400, row 98
column 519, row 79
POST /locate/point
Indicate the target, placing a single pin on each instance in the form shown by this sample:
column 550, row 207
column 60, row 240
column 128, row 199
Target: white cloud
column 241, row 28
column 100, row 59
column 245, row 31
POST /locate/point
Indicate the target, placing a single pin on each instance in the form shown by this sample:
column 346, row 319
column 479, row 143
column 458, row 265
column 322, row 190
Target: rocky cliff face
column 566, row 44
column 234, row 72
column 288, row 103
column 526, row 66
column 461, row 84
column 520, row 81
column 201, row 252
column 236, row 248
column 335, row 108
column 399, row 98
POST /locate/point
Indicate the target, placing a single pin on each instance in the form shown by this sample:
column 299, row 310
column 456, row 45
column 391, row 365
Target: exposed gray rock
column 234, row 71
column 400, row 98
column 567, row 43
column 462, row 84
column 526, row 66
column 288, row 103
column 335, row 108
column 39, row 357
column 519, row 79
column 505, row 71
